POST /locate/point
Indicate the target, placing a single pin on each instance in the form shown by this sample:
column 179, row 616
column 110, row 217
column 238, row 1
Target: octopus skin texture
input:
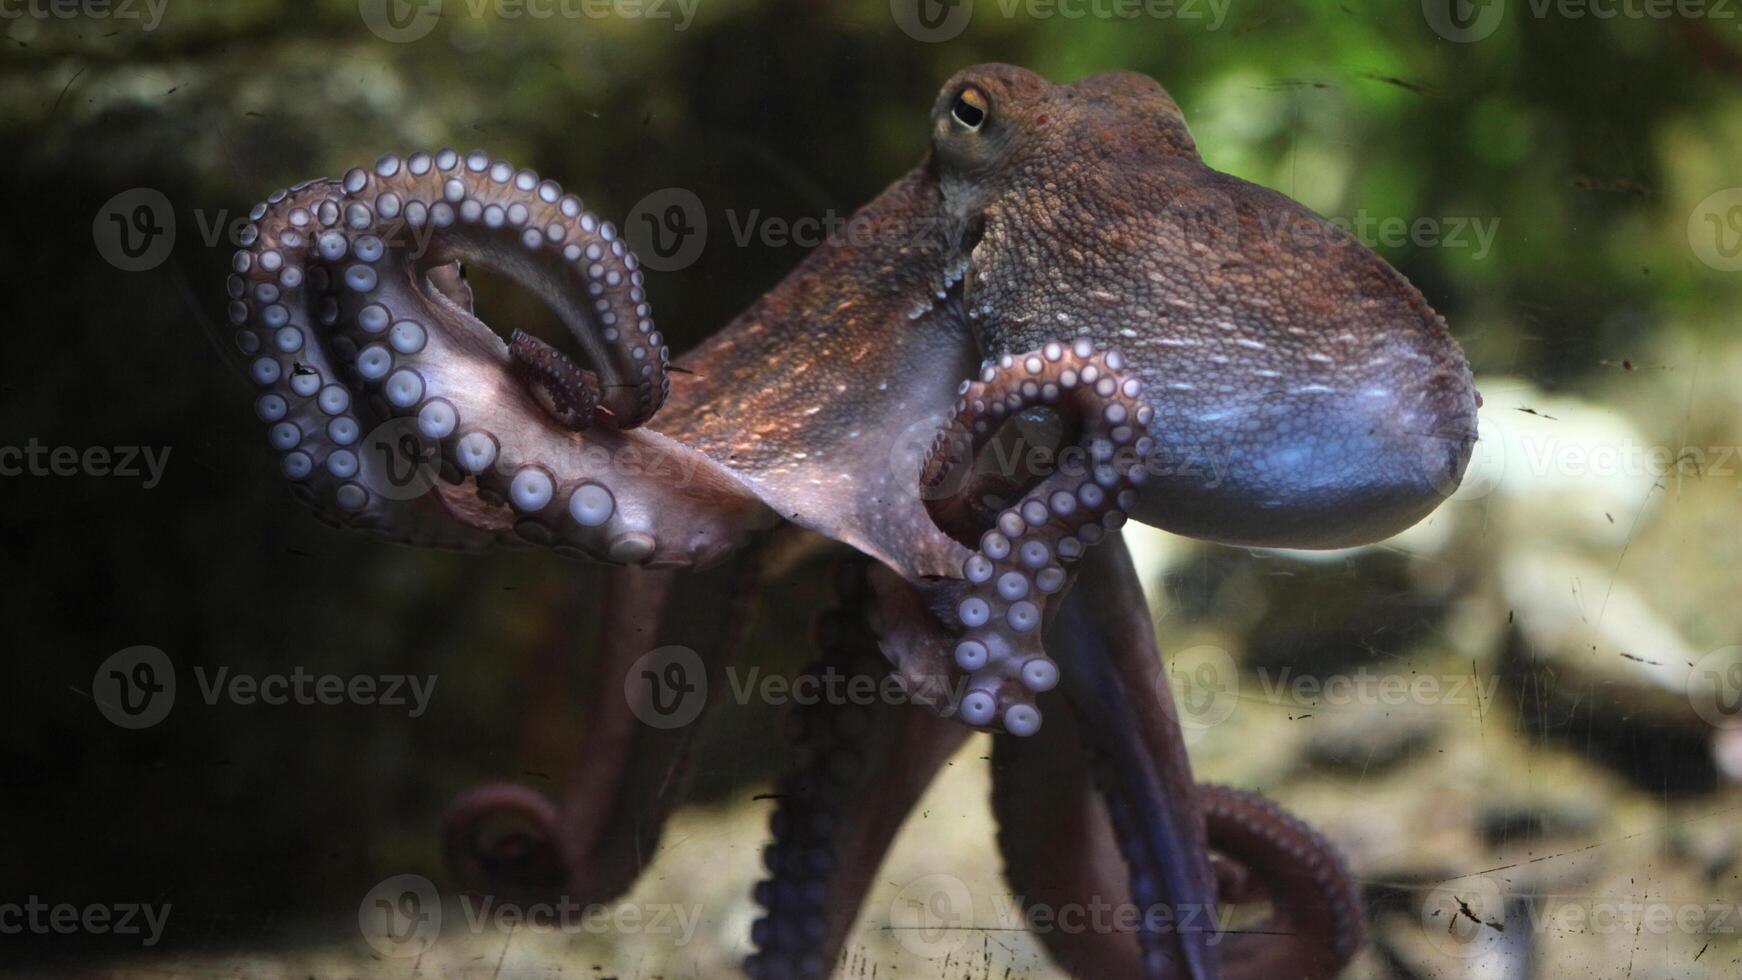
column 1061, row 271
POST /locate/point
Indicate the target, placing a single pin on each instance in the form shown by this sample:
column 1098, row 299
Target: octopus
column 1059, row 321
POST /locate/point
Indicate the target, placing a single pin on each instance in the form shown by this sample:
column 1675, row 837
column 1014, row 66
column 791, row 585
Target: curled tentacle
column 1016, row 568
column 561, row 388
column 375, row 378
column 1101, row 805
column 402, row 218
column 510, row 840
column 526, row 862
column 1316, row 925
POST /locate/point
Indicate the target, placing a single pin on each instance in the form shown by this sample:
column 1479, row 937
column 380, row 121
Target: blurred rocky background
column 1519, row 719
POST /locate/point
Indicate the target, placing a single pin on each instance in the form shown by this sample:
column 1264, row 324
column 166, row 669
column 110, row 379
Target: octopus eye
column 970, row 108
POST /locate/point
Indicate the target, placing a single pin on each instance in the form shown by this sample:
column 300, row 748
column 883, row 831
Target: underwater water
column 1519, row 721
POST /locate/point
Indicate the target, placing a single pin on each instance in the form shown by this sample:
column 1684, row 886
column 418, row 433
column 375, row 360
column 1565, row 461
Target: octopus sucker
column 1018, row 564
column 561, row 388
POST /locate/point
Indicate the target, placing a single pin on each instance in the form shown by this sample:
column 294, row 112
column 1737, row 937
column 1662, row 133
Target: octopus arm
column 395, row 409
column 655, row 678
column 1102, row 806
